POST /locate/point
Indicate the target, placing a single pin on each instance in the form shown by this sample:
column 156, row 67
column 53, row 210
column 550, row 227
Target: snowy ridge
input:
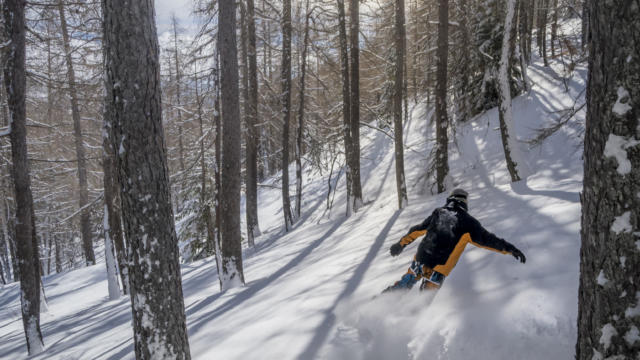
column 308, row 292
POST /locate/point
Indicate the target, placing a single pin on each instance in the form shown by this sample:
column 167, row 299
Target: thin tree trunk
column 112, row 204
column 442, row 120
column 231, row 247
column 58, row 255
column 133, row 113
column 303, row 71
column 609, row 292
column 505, row 111
column 286, row 110
column 253, row 135
column 543, row 29
column 85, row 225
column 15, row 84
column 176, row 62
column 398, row 87
column 354, row 112
column 554, row 29
column 110, row 259
column 522, row 31
column 346, row 104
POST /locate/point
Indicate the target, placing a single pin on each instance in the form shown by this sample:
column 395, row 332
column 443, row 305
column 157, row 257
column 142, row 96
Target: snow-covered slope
column 309, row 292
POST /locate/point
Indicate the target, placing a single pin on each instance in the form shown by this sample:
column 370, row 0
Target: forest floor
column 309, row 292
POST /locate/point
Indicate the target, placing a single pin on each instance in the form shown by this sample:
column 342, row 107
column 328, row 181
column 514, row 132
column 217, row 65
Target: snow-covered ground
column 309, row 292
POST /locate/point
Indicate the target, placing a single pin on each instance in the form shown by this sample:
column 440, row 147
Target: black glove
column 518, row 255
column 396, row 249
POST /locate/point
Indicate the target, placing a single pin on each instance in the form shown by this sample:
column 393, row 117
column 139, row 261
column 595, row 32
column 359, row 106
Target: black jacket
column 447, row 231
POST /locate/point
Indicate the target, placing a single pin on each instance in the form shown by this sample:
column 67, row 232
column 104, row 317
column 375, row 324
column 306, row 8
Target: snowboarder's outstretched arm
column 482, row 238
column 414, row 233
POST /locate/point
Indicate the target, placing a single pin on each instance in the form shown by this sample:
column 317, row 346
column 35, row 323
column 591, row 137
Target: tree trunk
column 110, row 259
column 522, row 32
column 346, row 104
column 554, row 29
column 58, row 255
column 442, row 120
column 303, row 71
column 505, row 111
column 609, row 293
column 398, row 87
column 112, row 204
column 253, row 137
column 85, row 225
column 133, row 113
column 286, row 110
column 231, row 247
column 354, row 112
column 544, row 14
column 174, row 25
column 15, row 84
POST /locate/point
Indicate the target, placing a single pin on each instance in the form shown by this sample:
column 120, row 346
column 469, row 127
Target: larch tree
column 398, row 87
column 231, row 274
column 26, row 244
column 253, row 134
column 346, row 103
column 354, row 112
column 609, row 292
column 300, row 115
column 285, row 81
column 83, row 200
column 511, row 153
column 442, row 120
column 134, row 116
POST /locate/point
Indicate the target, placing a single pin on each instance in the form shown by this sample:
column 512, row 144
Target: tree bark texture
column 346, row 103
column 398, row 87
column 609, row 293
column 85, row 225
column 176, row 62
column 505, row 113
column 286, row 110
column 112, row 204
column 354, row 113
column 303, row 71
column 442, row 120
column 253, row 134
column 231, row 246
column 27, row 253
column 133, row 112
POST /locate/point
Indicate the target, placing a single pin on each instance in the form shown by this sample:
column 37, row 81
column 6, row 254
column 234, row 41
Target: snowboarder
column 447, row 231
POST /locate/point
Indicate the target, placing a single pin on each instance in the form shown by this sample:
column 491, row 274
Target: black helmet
column 458, row 194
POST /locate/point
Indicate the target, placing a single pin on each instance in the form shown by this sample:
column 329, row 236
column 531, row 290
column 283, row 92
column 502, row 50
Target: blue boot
column 406, row 283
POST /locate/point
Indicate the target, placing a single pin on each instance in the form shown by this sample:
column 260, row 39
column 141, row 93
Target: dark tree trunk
column 354, row 112
column 253, row 135
column 504, row 90
column 27, row 254
column 398, row 86
column 231, row 246
column 59, row 255
column 346, row 103
column 85, row 225
column 609, row 293
column 554, row 28
column 174, row 23
column 303, row 71
column 585, row 23
column 531, row 17
column 286, row 110
column 542, row 30
column 442, row 120
column 133, row 113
